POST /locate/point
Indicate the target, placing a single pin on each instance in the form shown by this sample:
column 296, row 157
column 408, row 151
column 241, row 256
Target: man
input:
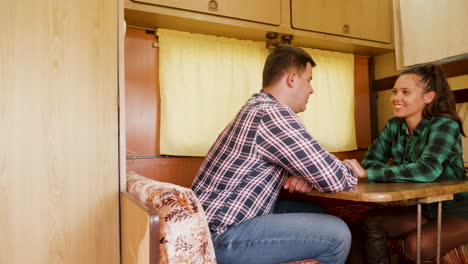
column 241, row 177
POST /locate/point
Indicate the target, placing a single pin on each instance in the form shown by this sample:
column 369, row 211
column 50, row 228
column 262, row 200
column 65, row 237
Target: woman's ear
column 428, row 97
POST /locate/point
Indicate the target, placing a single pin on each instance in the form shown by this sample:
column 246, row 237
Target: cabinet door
column 431, row 30
column 363, row 19
column 264, row 11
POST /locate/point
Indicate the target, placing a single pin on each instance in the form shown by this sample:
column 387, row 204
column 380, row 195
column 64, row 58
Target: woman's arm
column 442, row 146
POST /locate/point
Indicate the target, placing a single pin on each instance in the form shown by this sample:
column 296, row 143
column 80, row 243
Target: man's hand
column 297, row 184
column 360, row 172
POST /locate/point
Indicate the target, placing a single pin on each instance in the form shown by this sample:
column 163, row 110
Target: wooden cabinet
column 59, row 160
column 430, row 30
column 362, row 19
column 369, row 21
column 264, row 11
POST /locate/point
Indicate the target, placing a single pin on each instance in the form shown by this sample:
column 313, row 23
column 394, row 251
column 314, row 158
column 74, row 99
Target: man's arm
column 297, row 184
column 283, row 140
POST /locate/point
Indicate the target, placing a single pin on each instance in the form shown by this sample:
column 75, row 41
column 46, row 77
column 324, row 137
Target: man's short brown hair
column 282, row 59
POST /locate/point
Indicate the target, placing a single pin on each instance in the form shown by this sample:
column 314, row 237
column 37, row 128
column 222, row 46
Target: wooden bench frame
column 140, row 231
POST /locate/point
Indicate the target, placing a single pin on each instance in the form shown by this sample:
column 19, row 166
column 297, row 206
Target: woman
column 423, row 143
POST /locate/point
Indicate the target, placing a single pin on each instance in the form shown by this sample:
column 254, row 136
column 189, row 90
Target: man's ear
column 428, row 97
column 290, row 79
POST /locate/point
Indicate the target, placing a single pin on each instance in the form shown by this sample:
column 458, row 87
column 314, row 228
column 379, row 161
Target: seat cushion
column 184, row 234
column 456, row 255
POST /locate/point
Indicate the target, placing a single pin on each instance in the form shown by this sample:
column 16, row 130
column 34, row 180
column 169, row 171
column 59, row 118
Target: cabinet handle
column 346, row 29
column 213, row 5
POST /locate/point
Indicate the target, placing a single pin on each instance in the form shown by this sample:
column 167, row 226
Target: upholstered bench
column 165, row 223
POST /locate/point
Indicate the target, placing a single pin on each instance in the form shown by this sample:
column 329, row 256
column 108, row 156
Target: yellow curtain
column 330, row 112
column 204, row 82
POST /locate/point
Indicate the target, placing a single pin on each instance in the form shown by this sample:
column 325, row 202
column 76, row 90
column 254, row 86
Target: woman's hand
column 297, row 184
column 360, row 172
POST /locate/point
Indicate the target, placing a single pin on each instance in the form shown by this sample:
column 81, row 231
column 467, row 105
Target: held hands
column 360, row 172
column 297, row 184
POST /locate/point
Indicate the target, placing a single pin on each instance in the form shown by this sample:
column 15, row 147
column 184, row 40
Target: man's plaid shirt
column 434, row 153
column 244, row 170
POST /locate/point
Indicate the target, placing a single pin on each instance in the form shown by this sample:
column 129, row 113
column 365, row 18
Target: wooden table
column 416, row 193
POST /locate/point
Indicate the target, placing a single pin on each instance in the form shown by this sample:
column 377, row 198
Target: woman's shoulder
column 437, row 121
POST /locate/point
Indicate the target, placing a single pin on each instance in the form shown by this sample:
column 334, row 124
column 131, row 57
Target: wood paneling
column 122, row 28
column 139, row 224
column 451, row 69
column 384, row 109
column 355, row 154
column 59, row 184
column 178, row 170
column 362, row 102
column 141, row 93
column 455, row 68
column 384, row 84
column 461, row 96
column 182, row 170
column 385, row 66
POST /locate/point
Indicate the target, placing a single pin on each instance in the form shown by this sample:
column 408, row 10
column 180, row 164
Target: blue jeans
column 296, row 230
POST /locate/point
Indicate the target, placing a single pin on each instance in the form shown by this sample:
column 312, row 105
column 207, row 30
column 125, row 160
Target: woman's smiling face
column 409, row 97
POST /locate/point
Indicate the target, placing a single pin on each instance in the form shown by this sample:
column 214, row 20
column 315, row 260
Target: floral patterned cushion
column 184, row 233
column 456, row 255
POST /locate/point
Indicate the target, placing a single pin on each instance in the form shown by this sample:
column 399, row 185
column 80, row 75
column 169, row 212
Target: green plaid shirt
column 434, row 153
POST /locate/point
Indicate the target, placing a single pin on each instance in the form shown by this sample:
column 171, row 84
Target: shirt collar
column 268, row 95
column 422, row 124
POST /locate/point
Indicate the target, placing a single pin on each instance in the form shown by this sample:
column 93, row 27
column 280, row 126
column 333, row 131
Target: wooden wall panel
column 137, row 222
column 182, row 170
column 451, row 69
column 362, row 102
column 355, row 154
column 59, row 183
column 141, row 93
column 178, row 170
column 122, row 28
